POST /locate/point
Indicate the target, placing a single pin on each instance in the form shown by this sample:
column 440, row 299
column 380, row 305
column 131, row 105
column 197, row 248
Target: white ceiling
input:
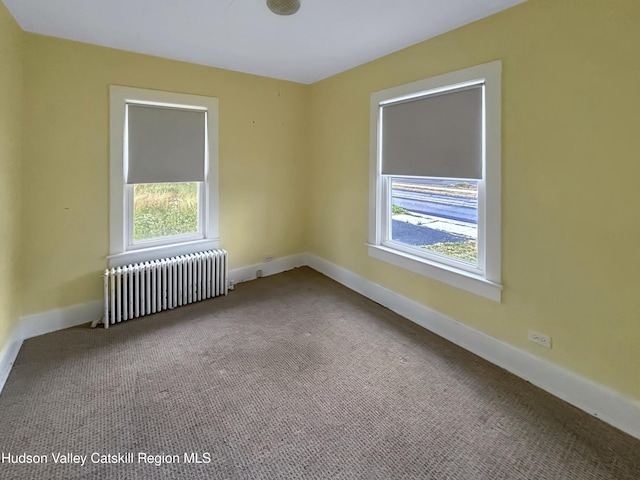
column 325, row 37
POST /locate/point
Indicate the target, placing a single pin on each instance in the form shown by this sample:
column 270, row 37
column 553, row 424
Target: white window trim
column 122, row 250
column 486, row 281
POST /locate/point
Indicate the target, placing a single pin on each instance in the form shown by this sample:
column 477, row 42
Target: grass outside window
column 164, row 210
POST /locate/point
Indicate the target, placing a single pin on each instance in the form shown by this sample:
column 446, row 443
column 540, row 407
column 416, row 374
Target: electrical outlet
column 539, row 338
column 258, row 273
column 268, row 258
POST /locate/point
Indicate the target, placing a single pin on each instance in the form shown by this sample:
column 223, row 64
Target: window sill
column 163, row 251
column 470, row 282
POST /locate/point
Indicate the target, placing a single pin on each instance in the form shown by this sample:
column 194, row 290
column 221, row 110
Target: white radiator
column 141, row 289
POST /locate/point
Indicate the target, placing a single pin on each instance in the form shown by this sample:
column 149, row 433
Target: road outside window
column 436, row 216
column 435, row 178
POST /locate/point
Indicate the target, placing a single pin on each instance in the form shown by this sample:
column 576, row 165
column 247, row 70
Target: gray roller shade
column 165, row 144
column 438, row 135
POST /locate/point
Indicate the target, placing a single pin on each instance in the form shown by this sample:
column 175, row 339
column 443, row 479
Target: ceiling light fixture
column 283, row 7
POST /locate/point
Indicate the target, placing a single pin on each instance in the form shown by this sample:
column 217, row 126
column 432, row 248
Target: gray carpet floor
column 290, row 376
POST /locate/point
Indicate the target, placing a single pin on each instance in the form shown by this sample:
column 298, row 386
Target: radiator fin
column 144, row 288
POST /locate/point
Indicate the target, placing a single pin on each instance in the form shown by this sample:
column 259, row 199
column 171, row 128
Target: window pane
column 164, row 210
column 436, row 215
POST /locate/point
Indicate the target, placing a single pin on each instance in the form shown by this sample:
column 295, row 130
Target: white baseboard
column 605, row 403
column 40, row 323
column 50, row 321
column 8, row 355
column 598, row 400
column 58, row 319
column 61, row 318
column 277, row 265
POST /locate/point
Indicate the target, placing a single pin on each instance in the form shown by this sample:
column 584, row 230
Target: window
column 164, row 166
column 435, row 178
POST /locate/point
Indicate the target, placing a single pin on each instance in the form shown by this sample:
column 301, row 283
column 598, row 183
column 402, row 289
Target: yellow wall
column 11, row 49
column 66, row 162
column 294, row 165
column 571, row 164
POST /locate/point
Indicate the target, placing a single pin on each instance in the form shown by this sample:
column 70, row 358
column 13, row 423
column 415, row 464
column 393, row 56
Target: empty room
column 319, row 239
